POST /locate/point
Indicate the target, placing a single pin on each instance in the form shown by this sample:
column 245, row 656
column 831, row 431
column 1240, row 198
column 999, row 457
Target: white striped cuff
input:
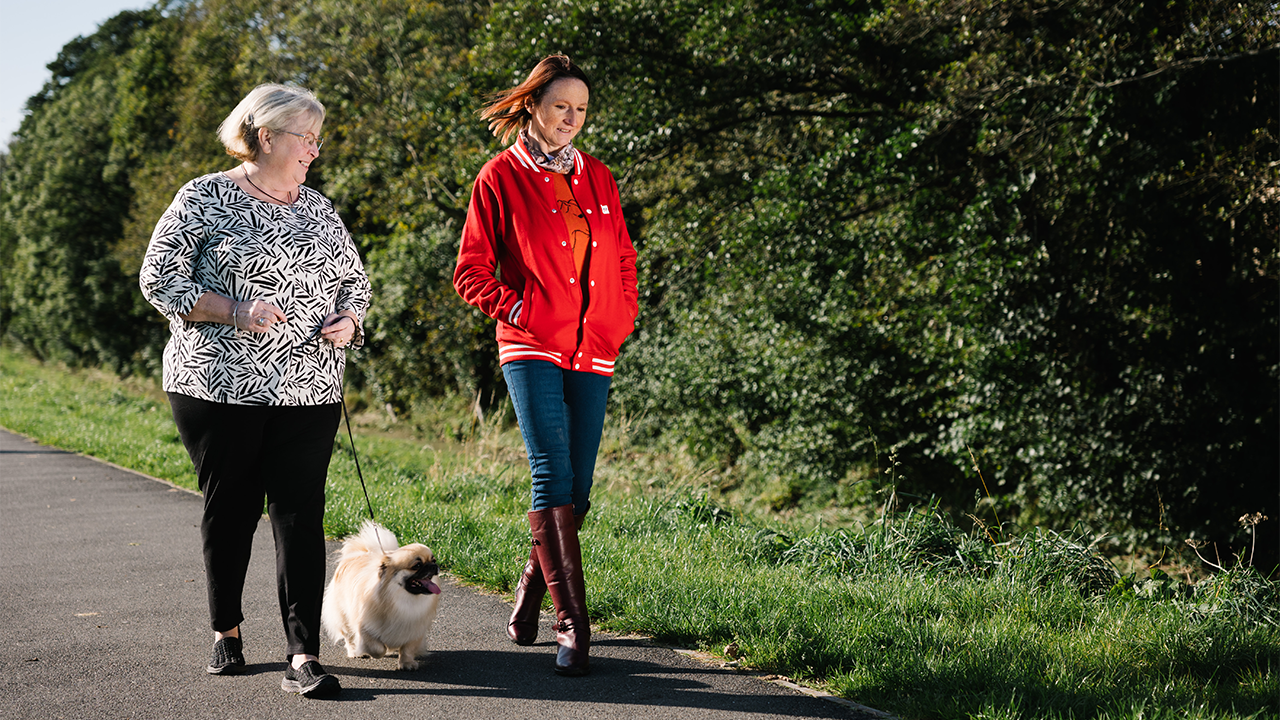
column 524, row 352
column 602, row 366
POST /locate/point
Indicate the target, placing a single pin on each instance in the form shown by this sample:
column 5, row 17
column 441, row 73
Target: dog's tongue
column 433, row 588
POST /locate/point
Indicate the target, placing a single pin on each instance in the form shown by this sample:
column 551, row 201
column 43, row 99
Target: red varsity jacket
column 516, row 265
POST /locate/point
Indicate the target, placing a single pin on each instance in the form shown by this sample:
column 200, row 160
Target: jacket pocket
column 616, row 333
column 526, row 307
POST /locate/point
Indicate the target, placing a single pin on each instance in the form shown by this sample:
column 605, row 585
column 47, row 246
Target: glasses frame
column 317, row 141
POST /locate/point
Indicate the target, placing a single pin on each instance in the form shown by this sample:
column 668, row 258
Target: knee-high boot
column 530, row 589
column 555, row 540
column 523, row 626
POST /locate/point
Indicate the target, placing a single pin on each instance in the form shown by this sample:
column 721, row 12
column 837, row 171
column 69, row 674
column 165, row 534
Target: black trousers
column 244, row 454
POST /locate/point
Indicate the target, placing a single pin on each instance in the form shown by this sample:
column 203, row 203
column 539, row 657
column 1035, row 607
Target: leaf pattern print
column 216, row 238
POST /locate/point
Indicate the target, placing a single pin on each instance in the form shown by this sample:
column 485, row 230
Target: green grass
column 910, row 614
column 95, row 413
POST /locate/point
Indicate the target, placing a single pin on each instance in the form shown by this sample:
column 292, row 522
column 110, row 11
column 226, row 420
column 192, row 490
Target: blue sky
column 31, row 34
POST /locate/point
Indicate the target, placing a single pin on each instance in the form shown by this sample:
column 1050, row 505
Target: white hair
column 270, row 106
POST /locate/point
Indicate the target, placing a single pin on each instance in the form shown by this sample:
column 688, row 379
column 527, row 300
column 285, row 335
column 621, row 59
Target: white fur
column 366, row 605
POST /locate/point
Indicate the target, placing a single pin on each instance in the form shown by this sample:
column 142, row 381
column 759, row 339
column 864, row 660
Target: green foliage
column 1040, row 235
column 65, row 198
column 96, row 413
column 8, row 243
column 1039, row 231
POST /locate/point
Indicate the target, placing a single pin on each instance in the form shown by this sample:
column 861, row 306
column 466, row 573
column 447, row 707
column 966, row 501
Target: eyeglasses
column 309, row 140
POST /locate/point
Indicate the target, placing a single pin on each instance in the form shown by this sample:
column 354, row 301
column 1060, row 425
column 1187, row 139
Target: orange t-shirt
column 574, row 221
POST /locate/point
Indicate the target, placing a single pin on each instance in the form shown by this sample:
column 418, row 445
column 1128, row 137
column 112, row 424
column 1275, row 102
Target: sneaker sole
column 225, row 670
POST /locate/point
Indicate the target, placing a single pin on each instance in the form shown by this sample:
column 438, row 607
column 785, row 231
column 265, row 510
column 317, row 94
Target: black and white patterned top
column 216, row 237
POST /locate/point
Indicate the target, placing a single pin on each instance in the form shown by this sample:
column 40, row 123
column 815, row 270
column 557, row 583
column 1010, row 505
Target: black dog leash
column 315, row 337
column 351, row 439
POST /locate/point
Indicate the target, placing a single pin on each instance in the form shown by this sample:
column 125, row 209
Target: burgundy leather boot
column 555, row 539
column 530, row 589
column 523, row 626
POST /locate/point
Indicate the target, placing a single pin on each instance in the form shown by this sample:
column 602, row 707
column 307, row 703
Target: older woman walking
column 263, row 290
column 549, row 216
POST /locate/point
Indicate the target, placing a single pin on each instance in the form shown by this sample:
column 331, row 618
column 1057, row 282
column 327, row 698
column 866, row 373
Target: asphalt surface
column 103, row 596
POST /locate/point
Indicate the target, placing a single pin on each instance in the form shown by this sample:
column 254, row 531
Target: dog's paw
column 373, row 648
column 349, row 644
column 408, row 663
column 364, row 646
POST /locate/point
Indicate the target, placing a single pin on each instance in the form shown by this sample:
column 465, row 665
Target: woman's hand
column 249, row 315
column 256, row 316
column 339, row 329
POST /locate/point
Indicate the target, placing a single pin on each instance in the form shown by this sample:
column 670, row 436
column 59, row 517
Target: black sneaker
column 310, row 680
column 228, row 659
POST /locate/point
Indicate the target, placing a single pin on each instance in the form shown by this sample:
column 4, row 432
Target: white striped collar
column 526, row 160
column 523, row 156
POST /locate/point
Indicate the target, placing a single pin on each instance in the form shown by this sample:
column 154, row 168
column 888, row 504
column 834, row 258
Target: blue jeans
column 561, row 416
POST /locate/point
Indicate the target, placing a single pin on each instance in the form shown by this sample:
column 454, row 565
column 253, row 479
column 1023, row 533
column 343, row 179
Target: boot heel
column 570, row 661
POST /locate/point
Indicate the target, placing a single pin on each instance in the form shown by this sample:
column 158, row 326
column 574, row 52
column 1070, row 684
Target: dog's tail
column 372, row 538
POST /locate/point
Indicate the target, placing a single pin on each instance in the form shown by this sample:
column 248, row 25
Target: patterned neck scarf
column 561, row 162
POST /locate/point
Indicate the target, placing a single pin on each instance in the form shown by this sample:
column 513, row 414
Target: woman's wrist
column 357, row 334
column 235, row 315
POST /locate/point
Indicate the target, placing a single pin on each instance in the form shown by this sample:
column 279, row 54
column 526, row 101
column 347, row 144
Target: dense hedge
column 1038, row 234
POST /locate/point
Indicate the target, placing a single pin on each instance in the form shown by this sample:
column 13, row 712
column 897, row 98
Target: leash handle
column 351, row 439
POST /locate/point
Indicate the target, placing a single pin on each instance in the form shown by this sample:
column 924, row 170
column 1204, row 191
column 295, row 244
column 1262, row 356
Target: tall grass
column 907, row 613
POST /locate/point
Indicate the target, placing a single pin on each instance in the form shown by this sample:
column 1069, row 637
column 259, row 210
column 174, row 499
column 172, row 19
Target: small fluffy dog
column 382, row 597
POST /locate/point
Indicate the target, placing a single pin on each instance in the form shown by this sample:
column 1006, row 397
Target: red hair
column 507, row 111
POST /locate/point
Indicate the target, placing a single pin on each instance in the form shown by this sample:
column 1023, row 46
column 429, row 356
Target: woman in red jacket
column 545, row 252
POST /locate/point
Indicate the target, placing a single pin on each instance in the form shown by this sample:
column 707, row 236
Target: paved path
column 103, row 596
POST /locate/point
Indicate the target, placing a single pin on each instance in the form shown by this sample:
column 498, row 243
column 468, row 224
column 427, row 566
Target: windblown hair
column 268, row 106
column 508, row 110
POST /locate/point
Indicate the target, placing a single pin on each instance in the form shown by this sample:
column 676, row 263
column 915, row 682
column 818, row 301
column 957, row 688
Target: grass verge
column 909, row 614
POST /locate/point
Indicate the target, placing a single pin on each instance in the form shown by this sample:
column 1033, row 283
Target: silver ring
column 262, row 321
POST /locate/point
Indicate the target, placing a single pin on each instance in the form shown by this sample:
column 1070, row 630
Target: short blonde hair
column 270, row 106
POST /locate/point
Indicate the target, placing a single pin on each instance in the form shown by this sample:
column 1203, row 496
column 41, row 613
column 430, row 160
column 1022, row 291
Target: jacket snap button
column 588, row 211
column 563, row 243
column 571, row 281
column 576, row 366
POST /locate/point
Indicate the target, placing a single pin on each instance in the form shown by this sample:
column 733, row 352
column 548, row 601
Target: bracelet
column 235, row 316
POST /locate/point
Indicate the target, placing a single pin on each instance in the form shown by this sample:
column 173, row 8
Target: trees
column 66, row 194
column 1133, row 362
column 1042, row 232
